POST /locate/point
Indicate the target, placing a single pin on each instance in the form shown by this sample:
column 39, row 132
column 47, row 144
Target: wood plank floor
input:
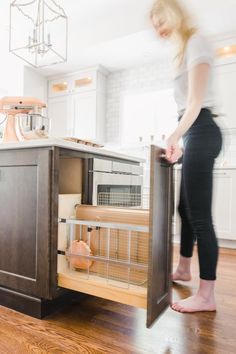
column 99, row 326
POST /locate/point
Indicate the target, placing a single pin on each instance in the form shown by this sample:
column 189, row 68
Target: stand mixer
column 24, row 119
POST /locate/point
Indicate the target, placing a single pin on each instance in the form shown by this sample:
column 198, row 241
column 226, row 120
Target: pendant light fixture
column 38, row 32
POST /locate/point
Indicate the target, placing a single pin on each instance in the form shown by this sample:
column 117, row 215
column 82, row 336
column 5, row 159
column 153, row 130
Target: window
column 146, row 117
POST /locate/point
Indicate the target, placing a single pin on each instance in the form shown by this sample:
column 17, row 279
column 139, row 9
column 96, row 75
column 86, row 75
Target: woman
column 202, row 144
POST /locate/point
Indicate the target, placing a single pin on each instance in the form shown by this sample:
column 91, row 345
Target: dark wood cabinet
column 25, row 220
column 30, row 183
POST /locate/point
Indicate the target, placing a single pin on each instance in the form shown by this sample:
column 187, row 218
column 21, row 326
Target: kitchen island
column 32, row 176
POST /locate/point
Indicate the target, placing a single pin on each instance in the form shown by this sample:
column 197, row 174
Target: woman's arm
column 197, row 84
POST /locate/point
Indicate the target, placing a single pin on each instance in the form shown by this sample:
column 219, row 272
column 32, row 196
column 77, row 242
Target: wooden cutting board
column 121, row 248
column 113, row 215
column 84, row 142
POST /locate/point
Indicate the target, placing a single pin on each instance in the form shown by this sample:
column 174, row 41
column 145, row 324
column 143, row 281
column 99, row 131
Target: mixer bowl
column 31, row 126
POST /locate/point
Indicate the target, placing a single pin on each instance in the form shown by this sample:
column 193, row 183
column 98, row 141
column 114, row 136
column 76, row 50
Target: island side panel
column 24, row 220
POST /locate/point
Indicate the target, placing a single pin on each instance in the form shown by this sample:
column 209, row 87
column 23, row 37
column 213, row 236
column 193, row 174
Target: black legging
column 202, row 144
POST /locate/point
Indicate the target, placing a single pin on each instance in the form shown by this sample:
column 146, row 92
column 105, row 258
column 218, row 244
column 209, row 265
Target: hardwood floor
column 100, row 326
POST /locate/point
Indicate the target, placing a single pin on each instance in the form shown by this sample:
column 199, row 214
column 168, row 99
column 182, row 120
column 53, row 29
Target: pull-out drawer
column 127, row 260
column 109, row 260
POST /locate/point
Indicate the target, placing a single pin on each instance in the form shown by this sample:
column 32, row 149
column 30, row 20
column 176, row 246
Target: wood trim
column 67, row 153
column 20, row 302
column 230, row 251
column 54, row 223
column 134, row 296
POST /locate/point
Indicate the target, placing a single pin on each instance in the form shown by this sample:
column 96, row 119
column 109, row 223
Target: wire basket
column 116, row 253
column 135, row 200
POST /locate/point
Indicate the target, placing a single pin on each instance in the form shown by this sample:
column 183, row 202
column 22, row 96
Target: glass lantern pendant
column 38, row 32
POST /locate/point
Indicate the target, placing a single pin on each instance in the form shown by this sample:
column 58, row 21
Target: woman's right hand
column 173, row 150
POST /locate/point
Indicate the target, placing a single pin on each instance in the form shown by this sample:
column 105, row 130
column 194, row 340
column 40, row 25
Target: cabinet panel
column 177, row 222
column 59, row 113
column 77, row 115
column 77, row 105
column 13, row 193
column 224, row 204
column 84, row 115
column 24, row 221
column 226, row 86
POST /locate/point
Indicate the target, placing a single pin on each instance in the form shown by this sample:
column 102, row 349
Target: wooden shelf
column 97, row 286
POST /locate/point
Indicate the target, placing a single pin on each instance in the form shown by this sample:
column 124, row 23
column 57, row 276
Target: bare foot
column 195, row 303
column 181, row 275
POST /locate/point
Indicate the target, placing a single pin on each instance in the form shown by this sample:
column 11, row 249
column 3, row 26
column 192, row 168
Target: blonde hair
column 175, row 16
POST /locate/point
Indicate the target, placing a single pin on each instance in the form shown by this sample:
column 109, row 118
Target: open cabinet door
column 160, row 230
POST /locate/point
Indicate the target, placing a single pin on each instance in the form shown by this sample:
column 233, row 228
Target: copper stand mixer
column 24, row 119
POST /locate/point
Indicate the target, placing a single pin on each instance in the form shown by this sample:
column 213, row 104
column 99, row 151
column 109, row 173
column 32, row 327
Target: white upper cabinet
column 223, row 204
column 77, row 105
column 225, row 76
column 59, row 112
column 84, row 115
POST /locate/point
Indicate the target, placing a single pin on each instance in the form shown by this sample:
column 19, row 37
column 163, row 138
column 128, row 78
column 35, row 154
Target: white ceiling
column 118, row 34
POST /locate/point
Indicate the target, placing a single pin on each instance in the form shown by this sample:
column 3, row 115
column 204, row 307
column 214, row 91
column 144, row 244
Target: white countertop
column 216, row 167
column 67, row 145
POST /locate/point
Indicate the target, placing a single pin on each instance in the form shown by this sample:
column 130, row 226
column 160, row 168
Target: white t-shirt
column 198, row 51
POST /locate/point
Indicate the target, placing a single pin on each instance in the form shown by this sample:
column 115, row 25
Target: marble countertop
column 67, row 145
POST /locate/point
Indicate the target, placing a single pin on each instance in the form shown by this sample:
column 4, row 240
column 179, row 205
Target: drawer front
column 160, row 235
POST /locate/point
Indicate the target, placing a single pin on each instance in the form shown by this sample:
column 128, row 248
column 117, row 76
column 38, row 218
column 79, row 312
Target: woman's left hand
column 173, row 150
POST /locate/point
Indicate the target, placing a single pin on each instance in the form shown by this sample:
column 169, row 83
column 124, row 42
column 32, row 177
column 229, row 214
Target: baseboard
column 36, row 307
column 221, row 242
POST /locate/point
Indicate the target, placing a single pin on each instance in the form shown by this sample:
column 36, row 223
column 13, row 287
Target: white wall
column 35, row 85
column 11, row 71
column 150, row 77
